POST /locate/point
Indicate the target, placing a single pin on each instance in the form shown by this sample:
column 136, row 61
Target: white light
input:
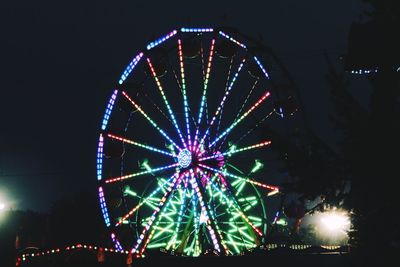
column 184, row 158
column 203, row 218
column 335, row 222
column 2, row 206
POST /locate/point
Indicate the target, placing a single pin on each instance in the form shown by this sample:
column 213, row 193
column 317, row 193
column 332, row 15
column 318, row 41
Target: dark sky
column 59, row 60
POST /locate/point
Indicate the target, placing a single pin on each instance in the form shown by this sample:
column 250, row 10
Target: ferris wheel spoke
column 226, row 88
column 236, row 150
column 241, row 108
column 176, row 180
column 144, row 201
column 147, row 147
column 150, row 120
column 195, row 221
column 221, row 105
column 205, row 86
column 206, row 216
column 237, row 207
column 255, row 127
column 248, row 180
column 240, row 119
column 178, row 223
column 152, row 170
column 185, row 101
column 165, row 101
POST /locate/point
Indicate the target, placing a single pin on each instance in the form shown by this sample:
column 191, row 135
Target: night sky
column 60, row 59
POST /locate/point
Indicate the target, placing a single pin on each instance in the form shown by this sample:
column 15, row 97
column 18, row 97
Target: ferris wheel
column 180, row 154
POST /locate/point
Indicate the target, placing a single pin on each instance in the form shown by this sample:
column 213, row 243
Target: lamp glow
column 335, row 221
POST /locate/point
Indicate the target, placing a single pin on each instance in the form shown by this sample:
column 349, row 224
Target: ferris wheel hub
column 184, row 158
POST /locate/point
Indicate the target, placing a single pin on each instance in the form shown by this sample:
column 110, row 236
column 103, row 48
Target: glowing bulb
column 203, row 218
column 335, row 221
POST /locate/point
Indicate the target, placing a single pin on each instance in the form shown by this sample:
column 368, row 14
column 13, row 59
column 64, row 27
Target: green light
column 157, row 245
column 128, row 191
column 232, row 147
column 257, row 166
column 145, row 165
column 282, row 222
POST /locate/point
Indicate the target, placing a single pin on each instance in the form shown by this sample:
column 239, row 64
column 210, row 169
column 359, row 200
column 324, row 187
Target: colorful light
column 161, row 40
column 118, row 246
column 222, row 102
column 237, row 207
column 128, row 176
column 203, row 97
column 185, row 102
column 233, row 150
column 248, row 180
column 184, row 158
column 151, row 121
column 130, row 67
column 155, row 213
column 196, row 195
column 145, row 201
column 204, row 211
column 171, row 114
column 108, row 110
column 232, row 39
column 140, row 145
column 240, row 119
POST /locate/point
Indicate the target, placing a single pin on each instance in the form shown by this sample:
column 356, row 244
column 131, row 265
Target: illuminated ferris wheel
column 179, row 158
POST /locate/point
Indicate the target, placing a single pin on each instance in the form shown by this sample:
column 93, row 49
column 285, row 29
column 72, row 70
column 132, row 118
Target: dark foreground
column 276, row 258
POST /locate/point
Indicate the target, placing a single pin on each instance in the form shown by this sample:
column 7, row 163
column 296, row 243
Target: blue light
column 161, row 40
column 197, row 30
column 104, row 207
column 100, row 157
column 184, row 158
column 130, row 67
column 261, row 67
column 108, row 110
